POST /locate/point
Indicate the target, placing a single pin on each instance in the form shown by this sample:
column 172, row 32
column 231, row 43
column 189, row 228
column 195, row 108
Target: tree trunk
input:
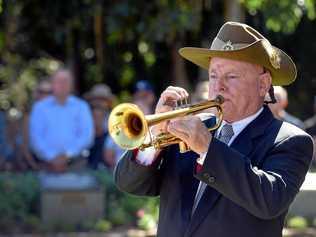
column 11, row 25
column 233, row 11
column 179, row 75
column 73, row 56
column 99, row 39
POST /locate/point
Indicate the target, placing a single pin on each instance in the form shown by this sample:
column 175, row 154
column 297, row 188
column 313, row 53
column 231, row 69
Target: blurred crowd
column 63, row 132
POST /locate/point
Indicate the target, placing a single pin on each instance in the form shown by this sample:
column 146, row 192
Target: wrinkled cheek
column 211, row 92
column 231, row 110
column 227, row 108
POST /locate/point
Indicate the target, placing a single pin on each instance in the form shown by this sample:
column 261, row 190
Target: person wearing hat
column 144, row 96
column 100, row 98
column 100, row 95
column 241, row 179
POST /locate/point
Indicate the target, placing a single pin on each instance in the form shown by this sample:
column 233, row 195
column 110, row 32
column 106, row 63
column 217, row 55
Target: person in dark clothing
column 240, row 180
column 97, row 153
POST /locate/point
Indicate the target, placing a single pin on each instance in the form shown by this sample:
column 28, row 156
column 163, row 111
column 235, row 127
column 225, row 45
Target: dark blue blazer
column 250, row 184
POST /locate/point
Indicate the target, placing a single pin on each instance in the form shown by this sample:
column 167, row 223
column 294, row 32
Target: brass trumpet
column 128, row 126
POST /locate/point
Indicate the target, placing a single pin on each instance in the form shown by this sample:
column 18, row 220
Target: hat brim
column 255, row 53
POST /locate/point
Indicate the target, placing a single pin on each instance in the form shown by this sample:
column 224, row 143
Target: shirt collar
column 68, row 100
column 238, row 126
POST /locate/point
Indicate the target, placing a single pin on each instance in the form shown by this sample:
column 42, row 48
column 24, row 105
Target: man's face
column 62, row 84
column 242, row 84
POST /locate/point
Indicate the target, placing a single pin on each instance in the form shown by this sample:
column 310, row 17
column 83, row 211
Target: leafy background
column 120, row 42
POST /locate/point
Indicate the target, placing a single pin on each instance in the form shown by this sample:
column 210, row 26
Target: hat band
column 219, row 44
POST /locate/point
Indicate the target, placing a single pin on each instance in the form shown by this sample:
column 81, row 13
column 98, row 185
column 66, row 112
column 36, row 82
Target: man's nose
column 220, row 85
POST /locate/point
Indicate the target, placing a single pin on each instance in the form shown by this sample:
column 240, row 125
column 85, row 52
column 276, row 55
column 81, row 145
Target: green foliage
column 147, row 222
column 92, row 74
column 18, row 200
column 19, row 207
column 102, row 226
column 138, row 39
column 311, row 11
column 157, row 20
column 282, row 15
column 32, row 223
column 128, row 74
column 122, row 208
column 59, row 227
column 148, row 215
column 141, row 25
column 19, row 79
column 297, row 222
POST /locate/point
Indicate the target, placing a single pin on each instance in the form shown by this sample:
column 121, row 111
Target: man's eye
column 213, row 77
column 232, row 77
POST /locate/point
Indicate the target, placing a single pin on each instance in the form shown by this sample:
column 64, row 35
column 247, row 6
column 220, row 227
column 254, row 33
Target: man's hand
column 167, row 102
column 192, row 131
column 59, row 164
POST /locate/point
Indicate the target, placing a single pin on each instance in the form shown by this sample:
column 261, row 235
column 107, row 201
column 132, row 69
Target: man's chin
column 226, row 107
column 228, row 114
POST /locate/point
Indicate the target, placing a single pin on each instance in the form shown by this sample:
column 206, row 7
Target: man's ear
column 265, row 81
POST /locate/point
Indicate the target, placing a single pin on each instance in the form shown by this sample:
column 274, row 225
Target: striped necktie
column 225, row 135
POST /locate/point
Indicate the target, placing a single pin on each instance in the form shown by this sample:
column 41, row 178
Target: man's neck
column 281, row 114
column 61, row 99
column 245, row 116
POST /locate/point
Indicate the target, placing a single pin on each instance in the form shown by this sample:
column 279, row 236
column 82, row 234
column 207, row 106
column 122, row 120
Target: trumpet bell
column 127, row 126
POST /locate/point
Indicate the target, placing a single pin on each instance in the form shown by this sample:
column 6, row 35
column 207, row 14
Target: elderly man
column 240, row 180
column 61, row 126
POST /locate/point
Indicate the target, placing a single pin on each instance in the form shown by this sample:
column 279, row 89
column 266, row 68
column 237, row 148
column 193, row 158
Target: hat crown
column 235, row 35
column 100, row 90
column 143, row 85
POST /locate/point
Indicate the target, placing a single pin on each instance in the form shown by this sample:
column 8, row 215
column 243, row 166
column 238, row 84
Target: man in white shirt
column 61, row 125
column 240, row 180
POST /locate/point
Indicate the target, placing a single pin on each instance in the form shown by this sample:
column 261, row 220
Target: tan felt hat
column 238, row 41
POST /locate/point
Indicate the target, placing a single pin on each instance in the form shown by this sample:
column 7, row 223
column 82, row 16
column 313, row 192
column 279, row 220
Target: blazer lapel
column 189, row 185
column 207, row 202
column 244, row 141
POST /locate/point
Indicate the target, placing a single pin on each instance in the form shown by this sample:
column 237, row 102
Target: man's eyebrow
column 230, row 70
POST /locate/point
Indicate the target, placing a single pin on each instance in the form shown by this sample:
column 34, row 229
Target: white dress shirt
column 60, row 129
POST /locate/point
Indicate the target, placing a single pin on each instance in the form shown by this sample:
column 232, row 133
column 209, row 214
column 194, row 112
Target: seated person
column 61, row 126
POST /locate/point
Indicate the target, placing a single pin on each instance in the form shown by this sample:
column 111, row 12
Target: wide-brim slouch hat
column 238, row 41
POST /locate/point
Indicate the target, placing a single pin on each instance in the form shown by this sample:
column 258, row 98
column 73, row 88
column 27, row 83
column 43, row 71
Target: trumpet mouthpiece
column 219, row 99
